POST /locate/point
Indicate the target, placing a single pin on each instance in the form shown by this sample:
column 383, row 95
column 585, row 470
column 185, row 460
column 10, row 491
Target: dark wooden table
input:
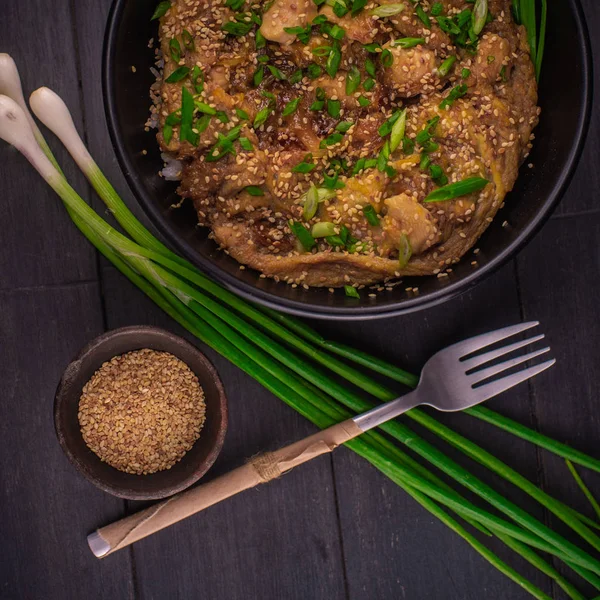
column 335, row 528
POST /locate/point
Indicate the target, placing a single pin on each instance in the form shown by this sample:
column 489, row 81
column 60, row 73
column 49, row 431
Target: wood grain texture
column 38, row 36
column 47, row 507
column 328, row 530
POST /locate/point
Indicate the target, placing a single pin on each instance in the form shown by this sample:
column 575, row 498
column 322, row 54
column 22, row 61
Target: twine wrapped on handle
column 259, row 469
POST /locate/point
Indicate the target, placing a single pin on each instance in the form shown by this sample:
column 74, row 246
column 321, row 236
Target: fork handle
column 385, row 412
column 260, row 469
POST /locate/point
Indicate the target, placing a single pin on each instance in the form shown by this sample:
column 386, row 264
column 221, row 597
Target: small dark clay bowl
column 124, row 485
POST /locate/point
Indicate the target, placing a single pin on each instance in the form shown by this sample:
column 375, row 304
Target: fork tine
column 479, row 342
column 482, row 359
column 503, row 366
column 489, row 390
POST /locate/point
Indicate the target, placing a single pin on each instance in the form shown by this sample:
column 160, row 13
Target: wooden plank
column 559, row 284
column 393, row 547
column 47, row 507
column 40, row 246
column 278, row 541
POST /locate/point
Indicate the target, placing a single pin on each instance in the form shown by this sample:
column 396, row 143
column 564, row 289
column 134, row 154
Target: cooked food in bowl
column 346, row 143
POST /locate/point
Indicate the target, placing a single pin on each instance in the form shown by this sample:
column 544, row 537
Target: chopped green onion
column 437, row 174
column 317, row 105
column 362, row 101
column 321, row 50
column 334, row 60
column 387, row 58
column 331, row 140
column 242, row 114
column 261, row 117
column 259, row 40
column 197, row 78
column 445, row 67
column 408, row 42
column 235, row 5
column 246, row 144
column 387, row 10
column 455, row 190
column 303, row 235
column 334, row 108
column 371, row 215
column 178, row 75
column 351, row 292
column 408, row 145
column 352, row 80
column 370, row 68
column 258, row 76
column 202, row 123
column 254, row 190
column 291, row 107
column 220, row 114
column 466, row 73
column 295, row 77
column 188, row 40
column 404, row 251
column 398, row 129
column 479, row 16
column 161, row 10
column 187, row 117
column 423, row 16
column 313, row 70
column 311, row 203
column 205, row 108
column 322, row 229
column 333, row 31
column 368, row 84
column 167, row 133
column 373, row 47
column 386, row 128
column 383, row 156
column 455, row 93
column 343, row 126
column 175, row 50
column 428, row 131
column 304, row 167
column 302, row 33
column 276, row 73
column 237, row 29
column 437, row 9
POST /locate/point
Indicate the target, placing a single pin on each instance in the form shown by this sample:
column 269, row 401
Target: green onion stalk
column 157, row 271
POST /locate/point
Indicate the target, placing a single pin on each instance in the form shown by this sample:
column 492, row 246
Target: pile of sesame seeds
column 141, row 412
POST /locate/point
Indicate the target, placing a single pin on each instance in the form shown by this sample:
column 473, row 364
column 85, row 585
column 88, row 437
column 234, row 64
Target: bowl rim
column 344, row 313
column 63, row 391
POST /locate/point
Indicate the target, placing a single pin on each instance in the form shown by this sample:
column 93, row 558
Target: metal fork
column 452, row 380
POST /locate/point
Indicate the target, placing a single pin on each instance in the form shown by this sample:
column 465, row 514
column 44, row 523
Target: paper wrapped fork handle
column 259, row 469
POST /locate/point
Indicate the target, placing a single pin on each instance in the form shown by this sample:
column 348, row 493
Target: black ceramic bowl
column 565, row 98
column 196, row 461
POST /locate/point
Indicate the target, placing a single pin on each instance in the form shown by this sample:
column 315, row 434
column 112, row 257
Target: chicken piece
column 287, row 13
column 412, row 72
column 361, row 28
column 493, row 54
column 405, row 216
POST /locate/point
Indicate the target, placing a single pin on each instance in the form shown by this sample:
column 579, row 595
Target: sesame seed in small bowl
column 141, row 413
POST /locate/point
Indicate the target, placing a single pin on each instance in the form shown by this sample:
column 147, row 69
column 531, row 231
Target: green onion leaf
column 311, row 203
column 455, row 190
column 314, row 71
column 235, row 5
column 351, row 292
column 242, row 114
column 343, row 126
column 178, row 75
column 187, row 117
column 408, row 42
column 387, row 10
column 254, row 190
column 317, row 105
column 368, row 84
column 404, row 251
column 276, row 73
column 437, row 9
column 371, row 215
column 261, row 117
column 291, row 107
column 197, row 78
column 408, row 145
column 205, row 108
column 370, row 68
column 175, row 50
column 479, row 16
column 258, row 76
column 334, row 108
column 362, row 101
column 322, row 229
column 373, row 47
column 237, row 29
column 423, row 16
column 188, row 40
column 331, row 140
column 303, row 235
column 259, row 40
column 296, row 77
column 466, row 73
column 167, row 133
column 246, row 144
column 445, row 67
column 202, row 123
column 386, row 128
column 398, row 129
column 161, row 10
column 333, row 61
column 387, row 58
column 304, row 167
column 352, row 80
column 455, row 93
